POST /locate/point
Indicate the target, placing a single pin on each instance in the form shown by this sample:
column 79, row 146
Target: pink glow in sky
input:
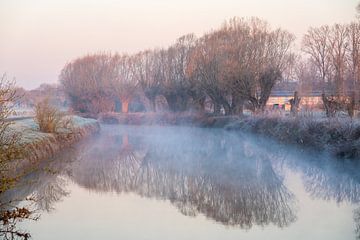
column 38, row 37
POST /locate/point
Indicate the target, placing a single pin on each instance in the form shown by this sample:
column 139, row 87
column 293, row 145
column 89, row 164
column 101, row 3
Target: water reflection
column 223, row 177
column 330, row 180
column 233, row 179
column 37, row 191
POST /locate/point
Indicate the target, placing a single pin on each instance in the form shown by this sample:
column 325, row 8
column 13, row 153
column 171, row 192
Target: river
column 190, row 183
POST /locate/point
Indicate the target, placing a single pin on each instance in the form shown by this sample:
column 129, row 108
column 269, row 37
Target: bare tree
column 147, row 67
column 175, row 87
column 335, row 51
column 86, row 81
column 123, row 82
column 206, row 69
column 9, row 142
column 260, row 59
column 236, row 64
column 353, row 57
column 338, row 46
column 306, row 73
column 316, row 44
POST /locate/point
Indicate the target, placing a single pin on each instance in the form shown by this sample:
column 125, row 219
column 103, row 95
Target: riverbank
column 167, row 119
column 38, row 145
column 338, row 136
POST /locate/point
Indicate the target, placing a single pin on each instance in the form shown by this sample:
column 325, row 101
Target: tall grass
column 49, row 118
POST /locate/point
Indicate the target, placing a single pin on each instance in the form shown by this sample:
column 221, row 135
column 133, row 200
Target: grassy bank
column 167, row 118
column 338, row 136
column 38, row 145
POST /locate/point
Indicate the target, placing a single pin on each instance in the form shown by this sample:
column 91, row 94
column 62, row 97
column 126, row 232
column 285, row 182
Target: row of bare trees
column 333, row 62
column 234, row 66
column 335, row 52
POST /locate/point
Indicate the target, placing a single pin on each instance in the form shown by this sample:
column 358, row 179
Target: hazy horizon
column 40, row 37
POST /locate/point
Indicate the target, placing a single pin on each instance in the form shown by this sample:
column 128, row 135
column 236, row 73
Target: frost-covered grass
column 38, row 145
column 80, row 121
column 339, row 136
column 22, row 112
column 30, row 132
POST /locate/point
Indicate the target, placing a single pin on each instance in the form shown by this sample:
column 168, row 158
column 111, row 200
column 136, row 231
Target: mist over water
column 190, row 183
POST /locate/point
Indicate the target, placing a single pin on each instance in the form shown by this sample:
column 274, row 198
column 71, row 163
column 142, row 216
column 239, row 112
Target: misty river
column 189, row 183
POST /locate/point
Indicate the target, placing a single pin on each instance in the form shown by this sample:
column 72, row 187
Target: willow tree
column 87, row 82
column 275, row 57
column 175, row 84
column 123, row 82
column 147, row 72
column 252, row 58
column 206, row 67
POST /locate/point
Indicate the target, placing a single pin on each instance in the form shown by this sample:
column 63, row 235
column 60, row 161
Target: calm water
column 188, row 183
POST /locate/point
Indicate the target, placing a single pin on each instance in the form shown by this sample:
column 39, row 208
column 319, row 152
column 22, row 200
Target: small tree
column 9, row 148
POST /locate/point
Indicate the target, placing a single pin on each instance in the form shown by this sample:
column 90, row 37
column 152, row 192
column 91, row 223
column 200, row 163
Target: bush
column 49, row 118
column 9, row 148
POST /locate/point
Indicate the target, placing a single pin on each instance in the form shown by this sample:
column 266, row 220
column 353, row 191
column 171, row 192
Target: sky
column 38, row 37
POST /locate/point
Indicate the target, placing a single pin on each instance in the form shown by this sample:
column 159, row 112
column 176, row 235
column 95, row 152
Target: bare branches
column 11, row 215
column 9, row 148
column 238, row 63
column 335, row 52
column 315, row 43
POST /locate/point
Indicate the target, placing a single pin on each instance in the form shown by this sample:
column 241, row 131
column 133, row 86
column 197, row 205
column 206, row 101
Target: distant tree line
column 234, row 66
column 334, row 53
column 53, row 93
column 228, row 69
column 332, row 65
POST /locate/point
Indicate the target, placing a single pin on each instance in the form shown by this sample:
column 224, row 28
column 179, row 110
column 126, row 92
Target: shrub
column 49, row 118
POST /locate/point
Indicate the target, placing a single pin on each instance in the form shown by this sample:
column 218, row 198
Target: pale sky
column 38, row 37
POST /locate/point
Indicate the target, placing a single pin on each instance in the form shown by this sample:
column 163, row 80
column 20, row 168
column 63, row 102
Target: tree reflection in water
column 37, row 191
column 232, row 179
column 328, row 179
column 218, row 176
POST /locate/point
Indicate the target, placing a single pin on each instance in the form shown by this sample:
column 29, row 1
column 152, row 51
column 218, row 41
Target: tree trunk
column 201, row 104
column 351, row 105
column 295, row 103
column 153, row 104
column 125, row 106
column 239, row 109
column 227, row 109
column 237, row 105
column 217, row 108
column 171, row 101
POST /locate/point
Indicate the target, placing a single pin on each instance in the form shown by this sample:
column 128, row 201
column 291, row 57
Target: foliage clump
column 49, row 118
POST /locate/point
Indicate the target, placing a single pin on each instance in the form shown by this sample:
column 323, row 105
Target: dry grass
column 49, row 118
